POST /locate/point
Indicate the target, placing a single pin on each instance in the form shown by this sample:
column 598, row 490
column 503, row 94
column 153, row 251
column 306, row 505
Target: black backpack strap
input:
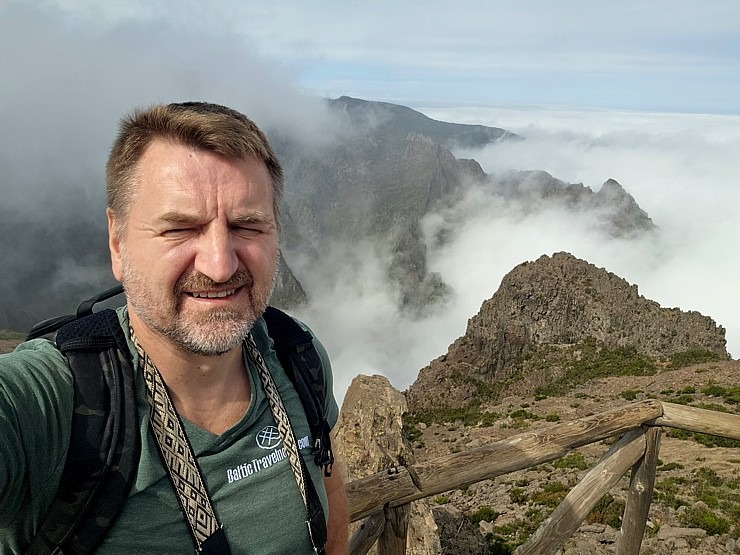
column 85, row 309
column 104, row 444
column 302, row 363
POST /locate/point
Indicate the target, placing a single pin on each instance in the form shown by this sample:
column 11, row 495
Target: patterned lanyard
column 177, row 453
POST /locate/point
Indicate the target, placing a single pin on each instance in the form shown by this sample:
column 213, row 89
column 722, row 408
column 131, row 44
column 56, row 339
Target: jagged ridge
column 559, row 300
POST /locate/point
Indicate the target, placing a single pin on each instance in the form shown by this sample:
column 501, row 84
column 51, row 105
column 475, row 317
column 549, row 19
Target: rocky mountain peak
column 558, row 300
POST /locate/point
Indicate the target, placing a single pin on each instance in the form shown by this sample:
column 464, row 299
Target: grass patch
column 550, row 495
column 704, row 439
column 483, row 513
column 668, row 467
column 701, row 517
column 571, row 460
column 507, row 537
column 720, row 497
column 729, row 394
column 692, row 356
column 630, row 394
column 518, row 496
column 607, row 511
column 591, row 359
column 469, row 416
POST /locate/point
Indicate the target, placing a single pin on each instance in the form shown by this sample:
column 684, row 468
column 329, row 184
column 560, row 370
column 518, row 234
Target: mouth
column 213, row 294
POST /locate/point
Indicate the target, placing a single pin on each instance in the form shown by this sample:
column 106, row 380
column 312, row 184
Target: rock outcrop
column 561, row 301
column 369, row 438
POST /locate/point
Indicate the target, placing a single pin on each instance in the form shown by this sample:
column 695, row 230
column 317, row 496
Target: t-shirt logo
column 268, row 438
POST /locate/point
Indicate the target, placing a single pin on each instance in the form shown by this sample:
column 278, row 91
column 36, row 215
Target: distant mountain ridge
column 392, row 118
column 393, row 167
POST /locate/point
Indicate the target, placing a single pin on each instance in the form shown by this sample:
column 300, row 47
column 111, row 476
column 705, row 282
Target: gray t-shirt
column 246, row 471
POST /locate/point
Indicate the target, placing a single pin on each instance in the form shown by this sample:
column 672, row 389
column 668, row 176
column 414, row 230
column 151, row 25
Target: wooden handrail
column 400, row 485
column 700, row 420
column 384, row 496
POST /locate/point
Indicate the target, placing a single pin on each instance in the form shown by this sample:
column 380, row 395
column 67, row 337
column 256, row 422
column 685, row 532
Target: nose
column 216, row 255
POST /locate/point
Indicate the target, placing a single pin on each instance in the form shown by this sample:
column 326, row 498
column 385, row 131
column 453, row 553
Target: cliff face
column 393, row 166
column 560, row 301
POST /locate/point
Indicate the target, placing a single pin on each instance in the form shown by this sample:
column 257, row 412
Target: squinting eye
column 176, row 231
column 248, row 231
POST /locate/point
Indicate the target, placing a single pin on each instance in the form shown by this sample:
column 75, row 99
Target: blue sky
column 680, row 55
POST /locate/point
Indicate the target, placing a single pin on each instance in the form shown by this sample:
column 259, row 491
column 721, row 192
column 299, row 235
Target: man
column 194, row 192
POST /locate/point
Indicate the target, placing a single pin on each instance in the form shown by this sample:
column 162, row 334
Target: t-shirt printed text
column 257, row 464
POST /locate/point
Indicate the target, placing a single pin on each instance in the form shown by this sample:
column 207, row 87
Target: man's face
column 198, row 251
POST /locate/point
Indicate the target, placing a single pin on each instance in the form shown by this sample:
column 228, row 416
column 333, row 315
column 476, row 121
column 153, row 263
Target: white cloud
column 601, row 53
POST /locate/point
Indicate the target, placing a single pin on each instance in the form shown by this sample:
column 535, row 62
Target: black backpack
column 104, row 444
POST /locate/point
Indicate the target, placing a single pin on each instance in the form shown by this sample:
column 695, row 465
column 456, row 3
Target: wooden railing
column 382, row 499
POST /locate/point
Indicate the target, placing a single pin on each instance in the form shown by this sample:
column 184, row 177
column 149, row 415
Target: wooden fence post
column 573, row 510
column 367, row 534
column 393, row 539
column 639, row 496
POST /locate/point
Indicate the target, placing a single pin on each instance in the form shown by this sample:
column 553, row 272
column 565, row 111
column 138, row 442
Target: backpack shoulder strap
column 104, row 443
column 301, row 361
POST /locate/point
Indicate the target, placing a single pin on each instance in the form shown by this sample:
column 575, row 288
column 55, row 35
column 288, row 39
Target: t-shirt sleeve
column 36, row 398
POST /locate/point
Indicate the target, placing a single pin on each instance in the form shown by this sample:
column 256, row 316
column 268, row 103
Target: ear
column 114, row 244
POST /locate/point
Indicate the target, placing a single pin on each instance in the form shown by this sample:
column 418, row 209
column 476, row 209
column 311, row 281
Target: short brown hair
column 202, row 125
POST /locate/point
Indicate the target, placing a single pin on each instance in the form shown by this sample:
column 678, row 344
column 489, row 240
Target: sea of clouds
column 681, row 168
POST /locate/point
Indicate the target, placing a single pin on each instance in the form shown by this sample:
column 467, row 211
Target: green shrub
column 483, row 513
column 630, row 394
column 596, row 361
column 713, row 406
column 729, row 394
column 607, row 511
column 517, row 495
column 571, row 460
column 551, row 494
column 441, row 499
column 470, row 415
column 522, row 413
column 705, row 439
column 700, row 517
column 552, row 417
column 499, row 546
column 682, row 399
column 670, row 466
column 693, row 356
column 411, row 432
